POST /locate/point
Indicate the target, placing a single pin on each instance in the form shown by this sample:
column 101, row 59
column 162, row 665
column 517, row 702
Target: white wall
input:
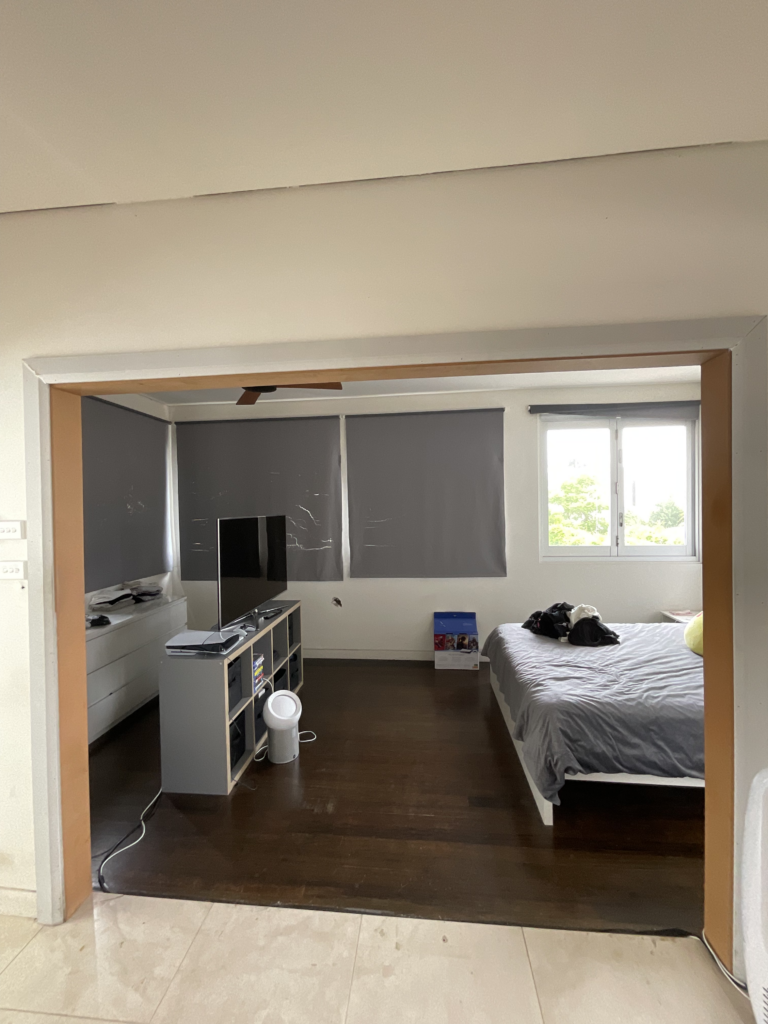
column 393, row 617
column 134, row 100
column 654, row 236
column 641, row 237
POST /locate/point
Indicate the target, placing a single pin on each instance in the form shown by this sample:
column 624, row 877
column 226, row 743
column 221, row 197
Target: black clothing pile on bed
column 555, row 622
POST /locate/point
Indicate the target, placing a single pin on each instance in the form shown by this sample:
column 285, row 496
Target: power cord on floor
column 262, row 753
column 732, row 978
column 144, row 817
column 149, row 810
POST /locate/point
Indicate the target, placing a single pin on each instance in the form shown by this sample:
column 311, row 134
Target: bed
column 627, row 713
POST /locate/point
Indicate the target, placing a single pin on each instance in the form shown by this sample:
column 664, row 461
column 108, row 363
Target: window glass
column 579, row 486
column 655, row 470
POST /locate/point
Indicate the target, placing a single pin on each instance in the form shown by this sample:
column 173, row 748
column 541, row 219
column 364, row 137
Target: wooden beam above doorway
column 407, row 371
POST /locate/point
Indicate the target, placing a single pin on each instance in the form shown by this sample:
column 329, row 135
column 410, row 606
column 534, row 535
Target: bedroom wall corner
column 750, row 597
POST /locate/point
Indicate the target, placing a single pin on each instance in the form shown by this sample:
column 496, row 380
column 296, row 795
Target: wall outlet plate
column 13, row 570
column 11, row 529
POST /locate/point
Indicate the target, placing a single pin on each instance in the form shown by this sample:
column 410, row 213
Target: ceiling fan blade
column 248, row 398
column 336, row 386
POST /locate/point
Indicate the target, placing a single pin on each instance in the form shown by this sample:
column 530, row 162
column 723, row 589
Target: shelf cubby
column 259, row 725
column 295, row 667
column 239, row 686
column 294, row 629
column 279, row 643
column 280, row 678
column 263, row 646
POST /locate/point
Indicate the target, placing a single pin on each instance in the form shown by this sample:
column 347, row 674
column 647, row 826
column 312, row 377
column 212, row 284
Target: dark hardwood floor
column 411, row 802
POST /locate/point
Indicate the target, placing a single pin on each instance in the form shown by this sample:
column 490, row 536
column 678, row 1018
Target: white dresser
column 124, row 659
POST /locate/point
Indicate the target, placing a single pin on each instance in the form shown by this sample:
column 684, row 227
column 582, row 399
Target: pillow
column 694, row 634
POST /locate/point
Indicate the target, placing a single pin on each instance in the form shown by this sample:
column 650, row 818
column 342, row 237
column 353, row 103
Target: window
column 618, row 487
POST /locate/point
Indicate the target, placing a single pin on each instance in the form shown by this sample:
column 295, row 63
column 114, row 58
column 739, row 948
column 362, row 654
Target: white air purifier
column 754, row 906
column 282, row 712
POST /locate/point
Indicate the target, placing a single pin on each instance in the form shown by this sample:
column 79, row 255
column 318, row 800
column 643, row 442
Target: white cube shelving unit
column 211, row 721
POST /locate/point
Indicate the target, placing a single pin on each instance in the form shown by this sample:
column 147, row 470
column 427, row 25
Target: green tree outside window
column 577, row 518
column 577, row 514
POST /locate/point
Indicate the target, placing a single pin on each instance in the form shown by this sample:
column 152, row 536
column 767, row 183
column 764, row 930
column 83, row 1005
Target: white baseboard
column 18, row 902
column 325, row 652
column 372, row 655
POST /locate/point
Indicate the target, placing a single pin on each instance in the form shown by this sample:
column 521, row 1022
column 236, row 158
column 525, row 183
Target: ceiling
column 131, row 100
column 443, row 385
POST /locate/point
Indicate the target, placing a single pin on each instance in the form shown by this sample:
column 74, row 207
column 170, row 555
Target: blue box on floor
column 456, row 640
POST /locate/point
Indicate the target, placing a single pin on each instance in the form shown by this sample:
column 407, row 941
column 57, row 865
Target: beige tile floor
column 137, row 960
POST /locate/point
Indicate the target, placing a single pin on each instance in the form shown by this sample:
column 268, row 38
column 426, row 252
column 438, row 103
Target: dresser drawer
column 141, row 628
column 112, row 709
column 144, row 663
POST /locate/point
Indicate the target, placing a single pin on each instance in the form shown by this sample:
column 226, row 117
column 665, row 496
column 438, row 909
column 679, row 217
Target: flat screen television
column 252, row 564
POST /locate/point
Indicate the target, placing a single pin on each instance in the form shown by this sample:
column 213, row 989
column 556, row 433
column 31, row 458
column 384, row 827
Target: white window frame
column 617, row 549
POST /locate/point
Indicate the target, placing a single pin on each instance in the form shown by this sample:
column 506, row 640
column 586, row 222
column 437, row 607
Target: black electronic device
column 237, row 740
column 252, row 566
column 280, row 681
column 260, row 726
column 235, row 683
column 92, row 621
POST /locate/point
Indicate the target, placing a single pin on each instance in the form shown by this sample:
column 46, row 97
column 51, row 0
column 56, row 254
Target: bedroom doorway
column 65, row 549
column 414, row 784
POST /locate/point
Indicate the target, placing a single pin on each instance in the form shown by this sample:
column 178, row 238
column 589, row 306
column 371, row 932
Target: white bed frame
column 546, row 807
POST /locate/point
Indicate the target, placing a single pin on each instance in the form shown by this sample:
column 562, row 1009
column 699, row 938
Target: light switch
column 13, row 570
column 11, row 530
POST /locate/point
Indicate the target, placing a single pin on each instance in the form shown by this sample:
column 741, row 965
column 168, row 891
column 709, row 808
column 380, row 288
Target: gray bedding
column 637, row 707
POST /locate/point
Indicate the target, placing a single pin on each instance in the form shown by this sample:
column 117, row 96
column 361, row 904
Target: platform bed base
column 546, row 807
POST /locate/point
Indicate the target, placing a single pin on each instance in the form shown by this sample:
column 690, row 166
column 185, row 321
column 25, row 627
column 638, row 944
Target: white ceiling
column 128, row 100
column 444, row 385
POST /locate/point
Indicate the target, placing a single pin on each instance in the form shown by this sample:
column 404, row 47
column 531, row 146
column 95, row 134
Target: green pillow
column 694, row 634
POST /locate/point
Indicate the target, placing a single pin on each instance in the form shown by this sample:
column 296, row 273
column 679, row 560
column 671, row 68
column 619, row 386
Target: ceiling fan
column 251, row 395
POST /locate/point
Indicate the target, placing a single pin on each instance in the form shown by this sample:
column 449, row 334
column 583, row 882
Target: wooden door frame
column 53, row 436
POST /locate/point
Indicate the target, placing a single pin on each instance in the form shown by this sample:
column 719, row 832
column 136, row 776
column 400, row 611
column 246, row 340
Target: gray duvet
column 637, row 707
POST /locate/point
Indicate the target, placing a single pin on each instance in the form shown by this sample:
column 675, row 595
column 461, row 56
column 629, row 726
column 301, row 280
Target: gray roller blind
column 426, row 494
column 124, row 494
column 287, row 467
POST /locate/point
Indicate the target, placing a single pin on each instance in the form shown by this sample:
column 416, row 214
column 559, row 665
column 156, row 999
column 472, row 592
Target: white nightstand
column 684, row 616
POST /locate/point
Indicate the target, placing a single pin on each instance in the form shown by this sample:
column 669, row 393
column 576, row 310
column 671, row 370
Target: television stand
column 211, row 720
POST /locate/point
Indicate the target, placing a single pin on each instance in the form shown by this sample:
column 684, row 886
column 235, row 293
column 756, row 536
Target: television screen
column 252, row 564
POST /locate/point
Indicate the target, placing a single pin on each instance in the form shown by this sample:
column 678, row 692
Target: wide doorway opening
column 414, row 799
